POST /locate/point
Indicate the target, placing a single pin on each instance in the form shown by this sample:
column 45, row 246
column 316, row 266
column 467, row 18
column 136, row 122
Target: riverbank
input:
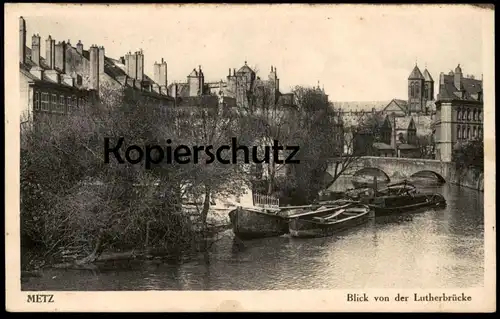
column 472, row 178
column 433, row 249
column 174, row 254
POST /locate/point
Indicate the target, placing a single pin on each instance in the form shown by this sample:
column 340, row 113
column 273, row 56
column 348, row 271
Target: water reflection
column 429, row 249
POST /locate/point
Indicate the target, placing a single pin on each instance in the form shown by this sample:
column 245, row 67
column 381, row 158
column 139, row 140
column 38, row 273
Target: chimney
column 49, row 52
column 22, row 40
column 101, row 60
column 229, row 72
column 457, row 78
column 131, row 65
column 162, row 76
column 140, row 65
column 35, row 49
column 122, row 60
column 94, row 67
column 79, row 47
column 441, row 78
column 156, row 72
column 59, row 56
column 127, row 64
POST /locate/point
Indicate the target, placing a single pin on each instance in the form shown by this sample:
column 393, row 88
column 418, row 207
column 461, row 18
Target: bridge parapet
column 397, row 167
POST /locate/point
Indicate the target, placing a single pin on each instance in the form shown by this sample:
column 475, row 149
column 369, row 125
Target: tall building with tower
column 420, row 90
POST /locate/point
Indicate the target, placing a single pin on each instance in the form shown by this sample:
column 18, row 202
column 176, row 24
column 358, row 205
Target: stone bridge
column 394, row 168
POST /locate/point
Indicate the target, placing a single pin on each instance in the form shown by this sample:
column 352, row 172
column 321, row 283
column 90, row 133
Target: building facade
column 239, row 89
column 406, row 121
column 459, row 116
column 69, row 77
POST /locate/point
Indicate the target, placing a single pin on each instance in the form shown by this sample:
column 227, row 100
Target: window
column 37, row 101
column 417, row 90
column 480, row 132
column 459, row 114
column 464, row 133
column 459, row 132
column 53, row 103
column 475, row 132
column 73, row 102
column 61, row 104
column 479, row 115
column 68, row 104
column 468, row 133
column 474, row 115
column 45, row 101
column 468, row 115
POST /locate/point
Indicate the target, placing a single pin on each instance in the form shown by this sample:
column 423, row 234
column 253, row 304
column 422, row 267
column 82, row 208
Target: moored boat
column 400, row 188
column 329, row 221
column 250, row 223
column 395, row 204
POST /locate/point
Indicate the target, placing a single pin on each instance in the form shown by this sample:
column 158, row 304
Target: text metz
column 357, row 297
column 38, row 298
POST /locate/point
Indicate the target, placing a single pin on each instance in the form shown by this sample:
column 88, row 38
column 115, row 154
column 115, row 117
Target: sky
column 357, row 53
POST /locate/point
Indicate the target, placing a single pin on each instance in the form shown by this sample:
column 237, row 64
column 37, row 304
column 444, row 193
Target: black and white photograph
column 258, row 147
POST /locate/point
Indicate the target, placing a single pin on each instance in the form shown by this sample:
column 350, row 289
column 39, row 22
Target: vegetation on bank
column 470, row 154
column 74, row 206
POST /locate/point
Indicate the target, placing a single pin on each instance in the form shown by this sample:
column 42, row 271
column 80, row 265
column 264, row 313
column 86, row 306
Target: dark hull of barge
column 253, row 223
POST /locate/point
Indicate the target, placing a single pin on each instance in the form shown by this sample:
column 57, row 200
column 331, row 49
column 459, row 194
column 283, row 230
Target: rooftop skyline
column 364, row 54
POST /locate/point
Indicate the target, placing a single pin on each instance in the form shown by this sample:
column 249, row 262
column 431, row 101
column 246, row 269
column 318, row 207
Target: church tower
column 416, row 86
column 428, row 86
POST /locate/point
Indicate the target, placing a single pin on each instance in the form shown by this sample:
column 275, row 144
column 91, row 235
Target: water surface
column 430, row 249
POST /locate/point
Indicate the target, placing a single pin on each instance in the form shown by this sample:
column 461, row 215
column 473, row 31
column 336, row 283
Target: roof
column 402, row 123
column 360, row 106
column 469, row 87
column 205, row 101
column 416, row 74
column 112, row 67
column 245, row 69
column 402, row 104
column 182, row 89
column 382, row 146
column 193, row 73
column 427, row 76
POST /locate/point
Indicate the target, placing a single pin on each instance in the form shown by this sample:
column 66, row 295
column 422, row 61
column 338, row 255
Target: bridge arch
column 372, row 171
column 425, row 173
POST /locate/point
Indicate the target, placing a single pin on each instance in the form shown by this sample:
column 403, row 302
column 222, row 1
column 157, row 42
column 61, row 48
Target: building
column 239, row 88
column 459, row 116
column 69, row 77
column 410, row 120
column 420, row 91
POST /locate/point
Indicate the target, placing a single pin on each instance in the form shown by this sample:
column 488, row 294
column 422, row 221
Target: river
column 430, row 249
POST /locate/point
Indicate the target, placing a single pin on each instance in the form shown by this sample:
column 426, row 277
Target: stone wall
column 470, row 178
